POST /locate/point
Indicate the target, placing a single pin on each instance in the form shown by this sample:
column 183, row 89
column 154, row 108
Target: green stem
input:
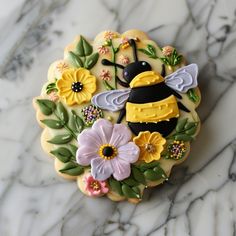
column 67, row 127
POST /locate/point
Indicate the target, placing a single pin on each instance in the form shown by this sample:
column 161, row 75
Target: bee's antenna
column 132, row 43
column 106, row 62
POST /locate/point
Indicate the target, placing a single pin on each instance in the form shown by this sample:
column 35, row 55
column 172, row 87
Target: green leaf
column 146, row 166
column 83, row 47
column 183, row 137
column 115, row 186
column 145, row 51
column 192, row 130
column 152, row 175
column 78, row 122
column 137, row 190
column 73, row 149
column 75, row 60
column 189, row 125
column 61, row 139
column 129, row 192
column 51, row 87
column 138, row 175
column 180, row 125
column 62, row 153
column 72, row 169
column 165, row 60
column 130, row 181
column 91, row 61
column 192, row 95
column 46, row 106
column 160, row 172
column 62, row 113
column 53, row 124
column 151, row 49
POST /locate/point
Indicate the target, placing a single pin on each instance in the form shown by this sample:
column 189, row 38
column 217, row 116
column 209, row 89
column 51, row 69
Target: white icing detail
column 113, row 100
column 183, row 79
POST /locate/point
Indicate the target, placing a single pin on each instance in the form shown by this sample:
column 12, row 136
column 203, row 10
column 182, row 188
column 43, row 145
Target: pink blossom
column 167, row 50
column 107, row 148
column 95, row 187
column 124, row 60
column 53, row 96
column 103, row 50
column 105, row 75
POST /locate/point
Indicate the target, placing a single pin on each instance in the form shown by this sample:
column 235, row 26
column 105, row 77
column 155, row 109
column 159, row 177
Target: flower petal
column 104, row 130
column 90, row 138
column 120, row 135
column 129, row 152
column 121, row 169
column 85, row 154
column 101, row 169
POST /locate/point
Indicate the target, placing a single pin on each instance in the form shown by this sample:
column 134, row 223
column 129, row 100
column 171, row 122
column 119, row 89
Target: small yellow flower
column 150, row 145
column 76, row 86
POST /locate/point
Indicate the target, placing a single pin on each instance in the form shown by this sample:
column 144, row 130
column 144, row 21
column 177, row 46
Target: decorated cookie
column 118, row 113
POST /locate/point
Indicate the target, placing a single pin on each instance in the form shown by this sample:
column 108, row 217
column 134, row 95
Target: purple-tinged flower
column 107, row 148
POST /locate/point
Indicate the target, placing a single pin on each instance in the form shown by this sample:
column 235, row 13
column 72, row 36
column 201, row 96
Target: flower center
column 95, row 185
column 76, row 87
column 150, row 148
column 107, row 152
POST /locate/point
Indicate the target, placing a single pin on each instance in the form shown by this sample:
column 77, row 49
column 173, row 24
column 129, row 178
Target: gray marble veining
column 199, row 198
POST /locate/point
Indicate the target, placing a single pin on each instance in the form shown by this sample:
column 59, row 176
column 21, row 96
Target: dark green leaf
column 129, row 192
column 160, row 172
column 53, row 124
column 61, row 139
column 46, row 106
column 137, row 190
column 62, row 153
column 152, row 175
column 83, row 47
column 183, row 137
column 73, row 149
column 78, row 122
column 75, row 60
column 51, row 87
column 72, row 169
column 192, row 130
column 165, row 60
column 192, row 95
column 180, row 125
column 91, row 61
column 130, row 181
column 145, row 51
column 115, row 186
column 151, row 49
column 62, row 113
column 146, row 166
column 138, row 175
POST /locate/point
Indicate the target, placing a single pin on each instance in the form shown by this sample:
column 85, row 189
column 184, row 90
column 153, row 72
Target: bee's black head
column 132, row 69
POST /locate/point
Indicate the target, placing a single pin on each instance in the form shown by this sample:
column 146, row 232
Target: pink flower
column 53, row 96
column 124, row 60
column 109, row 35
column 167, row 50
column 105, row 75
column 103, row 50
column 107, row 148
column 95, row 187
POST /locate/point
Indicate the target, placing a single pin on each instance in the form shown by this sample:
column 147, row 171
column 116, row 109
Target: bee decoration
column 151, row 101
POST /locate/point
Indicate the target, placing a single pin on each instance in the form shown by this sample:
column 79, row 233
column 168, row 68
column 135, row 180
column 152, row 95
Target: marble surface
column 199, row 198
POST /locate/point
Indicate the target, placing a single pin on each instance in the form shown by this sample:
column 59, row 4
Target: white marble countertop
column 199, row 198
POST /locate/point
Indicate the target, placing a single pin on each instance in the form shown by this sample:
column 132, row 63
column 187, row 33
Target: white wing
column 113, row 100
column 183, row 79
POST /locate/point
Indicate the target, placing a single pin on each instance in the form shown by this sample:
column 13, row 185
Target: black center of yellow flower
column 76, row 87
column 108, row 151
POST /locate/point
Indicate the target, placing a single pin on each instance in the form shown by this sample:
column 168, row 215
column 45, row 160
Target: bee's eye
column 144, row 63
column 126, row 74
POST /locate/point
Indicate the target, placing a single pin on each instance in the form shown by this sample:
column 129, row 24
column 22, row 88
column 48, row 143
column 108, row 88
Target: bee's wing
column 183, row 79
column 113, row 100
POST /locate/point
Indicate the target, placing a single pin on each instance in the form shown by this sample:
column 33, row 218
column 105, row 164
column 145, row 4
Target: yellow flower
column 150, row 144
column 76, row 86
